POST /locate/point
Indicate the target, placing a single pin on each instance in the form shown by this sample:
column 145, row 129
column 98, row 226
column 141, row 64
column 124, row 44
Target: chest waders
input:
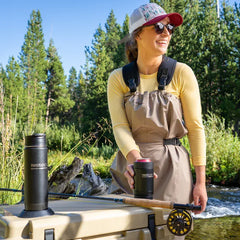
column 156, row 122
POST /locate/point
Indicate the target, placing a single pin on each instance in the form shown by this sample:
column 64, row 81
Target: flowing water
column 221, row 220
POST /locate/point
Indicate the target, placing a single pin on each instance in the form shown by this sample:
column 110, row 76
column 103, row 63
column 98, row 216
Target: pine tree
column 106, row 54
column 58, row 97
column 80, row 101
column 95, row 108
column 72, row 82
column 124, row 35
column 113, row 36
column 14, row 91
column 33, row 65
column 229, row 64
column 204, row 55
column 76, row 88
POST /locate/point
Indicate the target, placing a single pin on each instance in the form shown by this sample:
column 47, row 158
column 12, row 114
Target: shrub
column 62, row 138
column 223, row 151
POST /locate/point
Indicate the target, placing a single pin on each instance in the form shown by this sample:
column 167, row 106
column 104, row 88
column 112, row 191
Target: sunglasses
column 159, row 28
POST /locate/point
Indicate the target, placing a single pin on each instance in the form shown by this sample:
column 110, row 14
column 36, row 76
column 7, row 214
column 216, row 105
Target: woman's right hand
column 129, row 174
column 132, row 156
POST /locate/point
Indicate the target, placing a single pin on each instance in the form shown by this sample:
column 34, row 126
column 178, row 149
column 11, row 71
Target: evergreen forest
column 36, row 95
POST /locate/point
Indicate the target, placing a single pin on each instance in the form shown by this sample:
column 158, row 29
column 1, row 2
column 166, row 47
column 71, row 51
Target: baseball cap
column 149, row 14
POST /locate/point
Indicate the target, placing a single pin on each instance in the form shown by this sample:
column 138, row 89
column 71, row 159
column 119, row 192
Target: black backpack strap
column 165, row 72
column 131, row 76
column 164, row 76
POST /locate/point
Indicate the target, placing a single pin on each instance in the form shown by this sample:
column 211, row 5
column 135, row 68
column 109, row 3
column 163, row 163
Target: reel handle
column 187, row 206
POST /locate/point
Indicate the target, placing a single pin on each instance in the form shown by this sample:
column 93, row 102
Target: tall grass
column 11, row 164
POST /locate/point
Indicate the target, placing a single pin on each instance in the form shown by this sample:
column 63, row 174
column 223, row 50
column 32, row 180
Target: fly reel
column 179, row 222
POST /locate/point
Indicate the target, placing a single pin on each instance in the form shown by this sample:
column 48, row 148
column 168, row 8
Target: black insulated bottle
column 35, row 173
column 143, row 178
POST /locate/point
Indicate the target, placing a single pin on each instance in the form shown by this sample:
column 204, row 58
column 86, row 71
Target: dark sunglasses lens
column 159, row 28
column 170, row 28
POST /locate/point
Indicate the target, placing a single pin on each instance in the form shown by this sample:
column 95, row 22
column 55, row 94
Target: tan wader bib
column 153, row 117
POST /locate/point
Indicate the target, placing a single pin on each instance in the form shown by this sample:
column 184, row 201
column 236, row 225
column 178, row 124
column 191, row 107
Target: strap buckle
column 172, row 141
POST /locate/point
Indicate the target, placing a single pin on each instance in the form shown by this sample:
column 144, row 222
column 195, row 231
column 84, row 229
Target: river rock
column 92, row 184
column 60, row 181
column 66, row 180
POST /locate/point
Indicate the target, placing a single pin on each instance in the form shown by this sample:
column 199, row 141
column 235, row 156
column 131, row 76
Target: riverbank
column 223, row 228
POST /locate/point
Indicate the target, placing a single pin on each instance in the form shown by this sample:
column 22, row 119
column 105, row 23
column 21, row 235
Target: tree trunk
column 48, row 106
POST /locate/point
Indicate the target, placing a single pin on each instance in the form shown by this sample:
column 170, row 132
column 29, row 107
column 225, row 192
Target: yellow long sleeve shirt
column 183, row 85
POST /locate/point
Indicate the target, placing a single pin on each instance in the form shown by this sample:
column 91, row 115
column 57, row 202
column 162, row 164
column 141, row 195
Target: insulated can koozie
column 143, row 178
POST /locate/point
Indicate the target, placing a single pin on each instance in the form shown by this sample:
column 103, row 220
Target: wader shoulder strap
column 131, row 76
column 164, row 76
column 165, row 72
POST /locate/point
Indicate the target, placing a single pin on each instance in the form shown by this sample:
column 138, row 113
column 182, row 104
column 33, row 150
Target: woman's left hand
column 200, row 197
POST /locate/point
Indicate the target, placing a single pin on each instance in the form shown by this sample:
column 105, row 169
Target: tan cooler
column 84, row 219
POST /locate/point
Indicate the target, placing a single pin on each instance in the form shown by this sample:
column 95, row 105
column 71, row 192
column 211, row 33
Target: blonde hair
column 131, row 48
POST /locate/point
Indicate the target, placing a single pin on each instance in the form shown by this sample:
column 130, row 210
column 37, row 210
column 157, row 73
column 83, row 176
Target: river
column 221, row 219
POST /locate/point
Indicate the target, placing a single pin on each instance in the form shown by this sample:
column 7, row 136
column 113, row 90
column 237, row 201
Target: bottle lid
column 143, row 160
column 35, row 140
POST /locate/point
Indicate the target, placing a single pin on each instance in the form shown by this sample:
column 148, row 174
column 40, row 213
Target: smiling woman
column 148, row 99
column 153, row 42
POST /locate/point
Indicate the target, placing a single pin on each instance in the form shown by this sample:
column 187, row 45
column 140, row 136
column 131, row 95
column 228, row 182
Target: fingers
column 203, row 204
column 200, row 198
column 196, row 200
column 130, row 169
column 129, row 174
column 203, row 207
column 197, row 203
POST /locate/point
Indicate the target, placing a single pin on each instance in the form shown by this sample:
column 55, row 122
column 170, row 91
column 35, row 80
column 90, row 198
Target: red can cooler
column 143, row 178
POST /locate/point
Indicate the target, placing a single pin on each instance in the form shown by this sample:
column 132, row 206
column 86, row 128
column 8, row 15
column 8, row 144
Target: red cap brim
column 175, row 18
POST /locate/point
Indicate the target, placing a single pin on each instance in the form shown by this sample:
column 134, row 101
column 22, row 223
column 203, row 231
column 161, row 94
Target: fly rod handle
column 148, row 203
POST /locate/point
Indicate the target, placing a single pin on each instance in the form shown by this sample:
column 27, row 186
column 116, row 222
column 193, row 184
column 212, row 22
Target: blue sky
column 70, row 23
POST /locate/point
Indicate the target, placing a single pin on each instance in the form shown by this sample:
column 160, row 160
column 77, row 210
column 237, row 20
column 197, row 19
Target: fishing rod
column 140, row 202
column 179, row 221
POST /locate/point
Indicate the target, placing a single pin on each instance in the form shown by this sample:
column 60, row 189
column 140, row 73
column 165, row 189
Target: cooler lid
column 78, row 218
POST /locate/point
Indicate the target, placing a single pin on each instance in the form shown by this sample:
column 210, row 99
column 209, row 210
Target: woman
column 146, row 122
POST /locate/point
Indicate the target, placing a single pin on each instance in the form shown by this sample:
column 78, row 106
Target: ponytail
column 131, row 48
